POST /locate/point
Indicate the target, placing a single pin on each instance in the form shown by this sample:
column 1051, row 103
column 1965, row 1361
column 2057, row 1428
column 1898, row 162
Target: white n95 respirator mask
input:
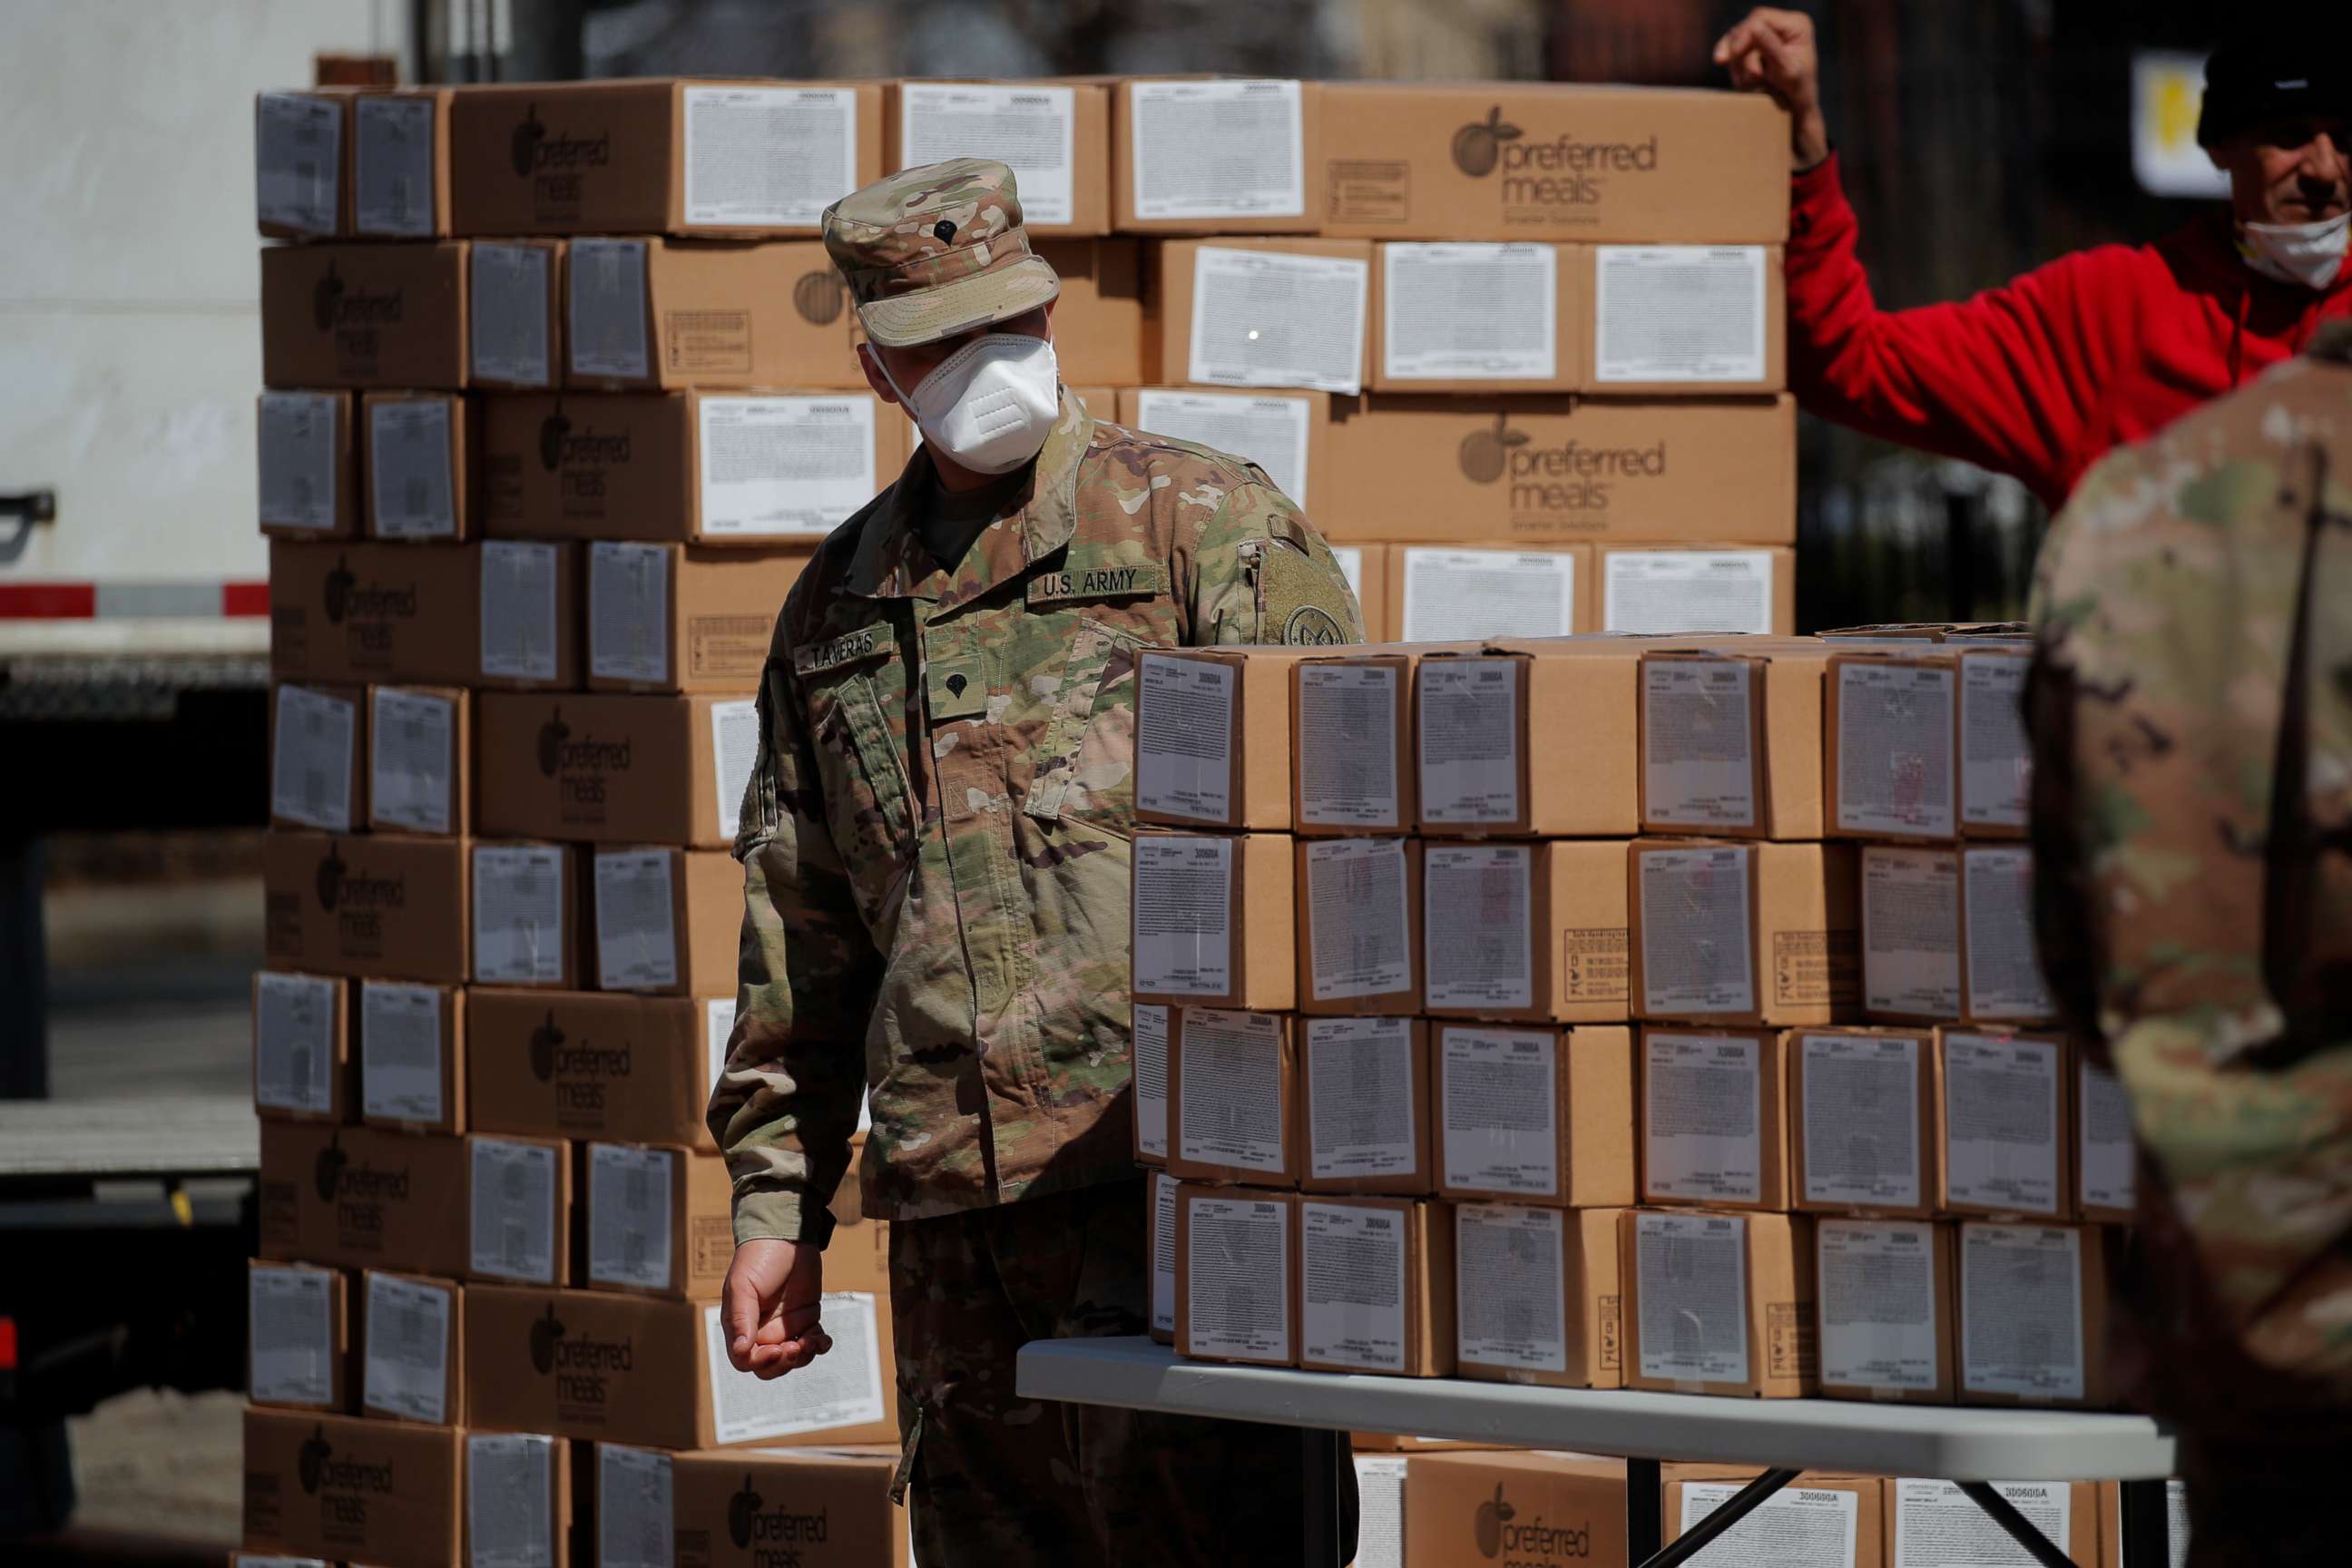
column 2310, row 253
column 990, row 406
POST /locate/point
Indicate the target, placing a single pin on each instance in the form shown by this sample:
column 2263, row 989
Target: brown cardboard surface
column 403, row 737
column 1808, row 931
column 706, row 918
column 718, row 617
column 1371, row 570
column 1177, row 702
column 1996, row 755
column 1351, row 735
column 1583, row 687
column 382, row 1103
column 1852, row 1292
column 1705, row 379
column 1418, row 1341
column 1361, row 970
column 581, row 1064
column 374, row 611
column 323, row 806
column 364, row 315
column 1811, row 1489
column 2100, row 1105
column 335, row 1486
column 1585, row 1298
column 1211, row 1148
column 1167, row 320
column 1715, row 1068
column 1252, row 424
column 331, row 165
column 1438, row 591
column 1261, row 973
column 555, row 958
column 604, row 768
column 1560, row 469
column 1777, row 1303
column 1586, row 1161
column 264, row 1323
column 390, row 1403
column 1591, row 980
column 827, row 1508
column 1470, row 1509
column 1572, row 312
column 723, row 314
column 304, row 1024
column 388, row 137
column 2082, row 1542
column 358, row 1198
column 1346, row 1067
column 1397, row 1443
column 1089, row 123
column 2002, row 982
column 498, row 1252
column 1698, row 602
column 502, row 346
column 1715, row 991
column 1127, row 153
column 1702, row 744
column 489, row 1455
column 385, row 419
column 1550, row 161
column 385, row 904
column 1473, row 776
column 344, row 506
column 2018, row 1177
column 1253, row 1293
column 1914, row 797
column 1911, row 968
column 1863, row 1123
column 1470, row 951
column 1099, row 320
column 687, row 1259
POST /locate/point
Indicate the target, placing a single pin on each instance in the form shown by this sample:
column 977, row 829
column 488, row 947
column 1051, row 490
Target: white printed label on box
column 1149, row 1034
column 2110, row 1160
column 636, row 1514
column 637, row 933
column 1691, row 1275
column 718, row 1033
column 298, row 460
column 1360, row 1098
column 1236, row 1278
column 768, row 157
column 1469, row 312
column 1184, row 737
column 1500, row 1115
column 1469, row 740
column 1184, row 890
column 1682, row 591
column 518, row 618
column 514, row 1188
column 1030, row 129
column 409, row 469
column 1862, row 1112
column 1348, row 745
column 628, row 1216
column 1692, row 313
column 1272, row 431
column 1876, row 1282
column 1351, row 1298
column 1895, row 749
column 1995, row 756
column 1911, row 931
column 734, row 755
column 407, row 1336
column 1380, row 1518
column 314, row 743
column 1697, row 949
column 509, row 285
column 400, row 1051
column 1360, row 917
column 2021, row 1310
column 519, row 898
column 1478, row 925
column 1702, row 1117
column 509, row 1501
column 1938, row 1525
column 1230, row 1102
column 606, row 333
column 412, row 747
column 1268, row 317
column 1797, row 1527
column 1218, row 148
column 294, row 1042
column 1698, row 743
column 2004, row 968
column 628, row 612
column 2000, row 1112
column 1510, row 1286
column 1163, row 1253
column 784, row 467
column 1459, row 596
column 392, row 173
column 292, row 1332
column 845, row 1389
column 298, row 145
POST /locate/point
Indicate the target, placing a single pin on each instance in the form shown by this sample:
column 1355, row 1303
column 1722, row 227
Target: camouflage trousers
column 998, row 1480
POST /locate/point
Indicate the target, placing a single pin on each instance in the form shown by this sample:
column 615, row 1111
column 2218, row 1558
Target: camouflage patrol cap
column 937, row 250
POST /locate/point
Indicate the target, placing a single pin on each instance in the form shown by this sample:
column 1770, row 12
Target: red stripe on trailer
column 48, row 601
column 244, row 599
column 130, row 601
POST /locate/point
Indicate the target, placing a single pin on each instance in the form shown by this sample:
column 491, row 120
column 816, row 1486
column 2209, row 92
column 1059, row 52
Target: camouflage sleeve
column 2062, row 906
column 1257, row 572
column 786, row 1107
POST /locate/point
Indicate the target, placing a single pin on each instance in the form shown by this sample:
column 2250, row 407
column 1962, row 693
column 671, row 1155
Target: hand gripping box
column 1533, row 1115
column 299, row 1339
column 1375, row 1286
column 301, row 1047
column 1862, row 1122
column 1213, row 921
column 334, row 1487
column 1715, row 1127
column 1236, row 1290
column 1537, row 1295
column 1216, row 155
column 1719, row 1303
column 595, row 1065
column 1233, row 1097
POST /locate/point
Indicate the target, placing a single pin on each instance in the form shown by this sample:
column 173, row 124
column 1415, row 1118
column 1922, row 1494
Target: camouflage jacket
column 2191, row 710
column 935, row 842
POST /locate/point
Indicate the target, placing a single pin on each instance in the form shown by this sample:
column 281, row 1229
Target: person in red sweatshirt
column 2041, row 376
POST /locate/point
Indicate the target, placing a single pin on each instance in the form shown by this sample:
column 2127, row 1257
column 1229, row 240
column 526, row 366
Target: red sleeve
column 2006, row 380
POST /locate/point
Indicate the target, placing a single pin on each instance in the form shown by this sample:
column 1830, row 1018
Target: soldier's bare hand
column 774, row 1307
column 1774, row 51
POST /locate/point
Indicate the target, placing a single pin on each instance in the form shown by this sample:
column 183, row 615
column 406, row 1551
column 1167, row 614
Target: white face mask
column 989, row 405
column 2310, row 253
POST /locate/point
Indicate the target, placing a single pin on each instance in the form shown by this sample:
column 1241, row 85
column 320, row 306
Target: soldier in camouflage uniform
column 936, row 848
column 2191, row 709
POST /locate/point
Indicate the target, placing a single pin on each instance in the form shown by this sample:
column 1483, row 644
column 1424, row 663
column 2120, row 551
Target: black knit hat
column 2278, row 77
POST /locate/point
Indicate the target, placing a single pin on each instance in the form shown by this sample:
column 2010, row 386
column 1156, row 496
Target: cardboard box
column 301, row 162
column 1862, row 1122
column 1533, row 1116
column 1237, row 1287
column 1283, row 433
column 2107, row 1154
column 309, row 479
column 1477, row 775
column 364, row 315
column 518, row 1499
column 1057, row 133
column 412, row 1056
column 531, row 632
column 1164, row 1188
column 298, row 1339
column 318, row 739
column 1212, row 922
column 301, row 1047
column 1487, row 929
column 1796, row 960
column 575, row 1064
column 1714, row 1118
column 1470, row 727
column 1892, row 731
column 523, row 1207
column 667, row 919
column 420, row 752
column 2002, row 1125
column 529, row 914
column 1224, row 155
column 1559, row 469
column 1886, row 1309
column 1241, row 312
column 354, row 1198
column 1214, row 737
column 654, row 155
column 514, row 291
column 1702, row 744
column 420, row 482
column 599, row 1364
column 1702, row 319
column 699, row 468
column 494, row 614
column 2111, row 1520
column 1360, row 925
column 1151, row 1028
column 381, row 904
column 1670, row 589
column 1099, row 325
column 644, row 315
column 1443, row 593
column 2000, row 958
column 1351, row 734
column 1464, row 1511
column 1233, row 1097
column 1398, row 1443
column 1366, row 567
column 568, row 765
column 1996, row 754
column 411, row 1348
column 1939, row 1511
column 1719, row 1303
column 680, row 618
column 1525, row 160
column 400, row 163
column 1829, row 1521
column 755, row 1510
column 1346, row 1243
column 1469, row 316
column 336, row 1487
column 1910, row 934
column 1365, row 1113
column 1591, row 973
column 660, row 1221
column 1539, row 1295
